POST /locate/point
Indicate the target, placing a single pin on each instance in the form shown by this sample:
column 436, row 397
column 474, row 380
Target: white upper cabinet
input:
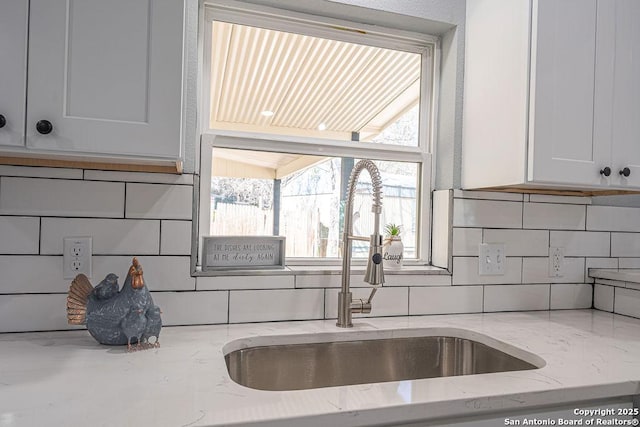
column 617, row 95
column 14, row 16
column 551, row 94
column 104, row 77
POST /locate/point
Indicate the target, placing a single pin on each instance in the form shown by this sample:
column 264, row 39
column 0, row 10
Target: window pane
column 282, row 83
column 302, row 197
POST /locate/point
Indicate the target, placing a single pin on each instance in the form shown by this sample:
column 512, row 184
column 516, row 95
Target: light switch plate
column 492, row 260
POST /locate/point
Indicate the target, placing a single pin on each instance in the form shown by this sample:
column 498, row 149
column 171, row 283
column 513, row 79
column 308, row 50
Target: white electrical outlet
column 77, row 257
column 492, row 259
column 556, row 262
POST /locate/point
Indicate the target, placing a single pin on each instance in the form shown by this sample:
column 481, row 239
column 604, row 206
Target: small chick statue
column 116, row 317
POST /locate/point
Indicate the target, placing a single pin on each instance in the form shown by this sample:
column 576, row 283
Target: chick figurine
column 116, row 317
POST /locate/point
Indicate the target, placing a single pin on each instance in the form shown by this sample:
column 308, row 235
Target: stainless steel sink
column 327, row 364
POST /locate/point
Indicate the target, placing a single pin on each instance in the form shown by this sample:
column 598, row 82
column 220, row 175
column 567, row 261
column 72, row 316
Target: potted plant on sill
column 393, row 249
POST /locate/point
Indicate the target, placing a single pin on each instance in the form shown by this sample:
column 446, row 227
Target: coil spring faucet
column 374, row 274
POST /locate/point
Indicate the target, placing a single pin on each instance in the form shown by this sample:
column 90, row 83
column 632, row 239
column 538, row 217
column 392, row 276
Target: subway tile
column 159, row 201
column 32, row 274
column 573, row 200
column 161, row 273
column 109, row 236
column 581, row 243
column 278, row 304
column 44, row 312
column 625, row 244
column 571, row 296
column 486, row 213
column 466, row 241
column 387, row 302
column 58, row 197
column 627, row 302
column 192, row 308
column 613, row 218
column 487, row 195
column 159, row 178
column 516, row 298
column 536, row 270
column 603, row 297
column 175, row 238
column 445, row 300
column 417, row 280
column 40, row 172
column 554, row 216
column 465, row 272
column 244, row 282
column 598, row 263
column 320, row 280
column 520, row 242
column 19, row 235
column 624, row 262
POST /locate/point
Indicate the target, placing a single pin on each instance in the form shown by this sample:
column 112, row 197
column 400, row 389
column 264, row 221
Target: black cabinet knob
column 45, row 127
column 3, row 121
column 606, row 171
column 626, row 172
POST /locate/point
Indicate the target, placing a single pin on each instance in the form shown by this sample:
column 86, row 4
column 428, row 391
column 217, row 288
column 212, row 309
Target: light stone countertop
column 67, row 379
column 619, row 274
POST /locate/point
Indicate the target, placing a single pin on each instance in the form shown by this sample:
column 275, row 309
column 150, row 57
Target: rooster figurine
column 116, row 317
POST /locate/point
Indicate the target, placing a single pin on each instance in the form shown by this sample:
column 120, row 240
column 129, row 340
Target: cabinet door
column 107, row 75
column 13, row 69
column 561, row 143
column 617, row 113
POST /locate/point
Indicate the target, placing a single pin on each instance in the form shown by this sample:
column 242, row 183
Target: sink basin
column 299, row 366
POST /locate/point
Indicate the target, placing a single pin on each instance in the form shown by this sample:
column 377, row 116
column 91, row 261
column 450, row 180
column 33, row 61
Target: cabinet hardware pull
column 626, row 172
column 44, row 127
column 606, row 171
column 3, row 121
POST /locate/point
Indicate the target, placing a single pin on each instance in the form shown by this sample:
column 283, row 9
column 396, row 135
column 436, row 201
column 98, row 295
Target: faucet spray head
column 374, row 274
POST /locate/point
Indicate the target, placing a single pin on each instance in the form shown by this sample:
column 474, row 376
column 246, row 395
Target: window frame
column 283, row 20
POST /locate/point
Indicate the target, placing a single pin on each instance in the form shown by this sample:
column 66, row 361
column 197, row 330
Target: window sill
column 418, row 270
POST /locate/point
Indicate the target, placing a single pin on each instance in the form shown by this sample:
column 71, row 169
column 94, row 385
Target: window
column 292, row 104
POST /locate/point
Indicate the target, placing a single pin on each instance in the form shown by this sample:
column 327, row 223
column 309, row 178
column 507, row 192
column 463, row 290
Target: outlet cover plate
column 556, row 262
column 492, row 261
column 77, row 257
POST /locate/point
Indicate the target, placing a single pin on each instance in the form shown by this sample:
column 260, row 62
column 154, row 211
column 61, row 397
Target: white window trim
column 282, row 20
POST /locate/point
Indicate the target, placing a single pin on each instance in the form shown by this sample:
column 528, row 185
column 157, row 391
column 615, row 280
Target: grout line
column 160, row 238
column 40, row 236
column 124, row 213
column 228, row 306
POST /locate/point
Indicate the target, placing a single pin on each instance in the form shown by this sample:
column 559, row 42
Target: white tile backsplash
column 109, row 236
column 625, row 244
column 573, row 200
column 23, row 313
column 581, row 243
column 571, row 296
column 487, row 195
column 444, row 300
column 244, row 282
column 624, row 262
column 19, row 235
column 520, row 242
column 387, row 302
column 466, row 241
column 516, row 298
column 161, row 273
column 465, row 272
column 61, row 197
column 554, row 216
column 273, row 305
column 536, row 270
column 613, row 218
column 603, row 297
column 40, row 172
column 159, row 201
column 159, row 178
column 32, row 274
column 417, row 280
column 175, row 237
column 192, row 308
column 486, row 213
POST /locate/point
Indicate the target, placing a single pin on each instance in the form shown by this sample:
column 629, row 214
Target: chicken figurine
column 116, row 316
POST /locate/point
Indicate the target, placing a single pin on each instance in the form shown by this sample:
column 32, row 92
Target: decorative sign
column 242, row 252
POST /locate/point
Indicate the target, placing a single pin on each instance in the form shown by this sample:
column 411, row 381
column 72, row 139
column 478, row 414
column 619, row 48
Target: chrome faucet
column 374, row 274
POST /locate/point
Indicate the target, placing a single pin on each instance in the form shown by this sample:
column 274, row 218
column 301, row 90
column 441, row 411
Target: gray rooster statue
column 114, row 316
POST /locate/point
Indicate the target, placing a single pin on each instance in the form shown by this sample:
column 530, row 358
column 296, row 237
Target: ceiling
column 307, row 81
